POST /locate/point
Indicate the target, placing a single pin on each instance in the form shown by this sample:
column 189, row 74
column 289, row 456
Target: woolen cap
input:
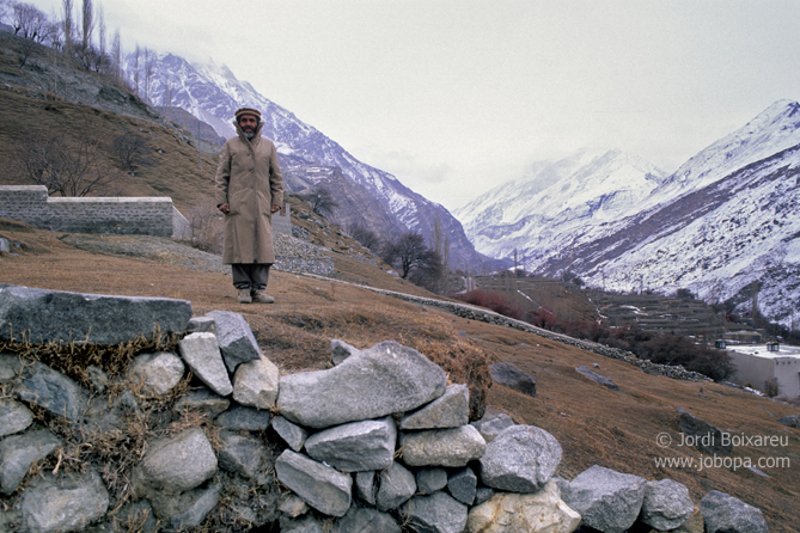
column 248, row 111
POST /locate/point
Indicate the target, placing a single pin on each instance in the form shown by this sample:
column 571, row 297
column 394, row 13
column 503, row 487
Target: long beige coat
column 249, row 179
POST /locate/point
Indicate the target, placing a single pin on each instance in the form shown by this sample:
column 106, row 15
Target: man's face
column 248, row 123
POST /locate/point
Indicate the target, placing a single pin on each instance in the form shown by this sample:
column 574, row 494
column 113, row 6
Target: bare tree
column 68, row 27
column 135, row 69
column 64, row 170
column 414, row 260
column 321, row 200
column 149, row 70
column 29, row 22
column 116, row 56
column 365, row 236
column 87, row 24
column 101, row 31
column 131, row 151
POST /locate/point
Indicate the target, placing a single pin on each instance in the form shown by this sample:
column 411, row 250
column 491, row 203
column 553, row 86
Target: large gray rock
column 44, row 315
column 243, row 455
column 437, row 513
column 356, row 446
column 463, row 485
column 365, row 520
column 704, row 436
column 243, row 419
column 69, row 503
column 598, row 378
column 322, row 487
column 429, row 480
column 51, row 390
column 256, row 383
column 14, row 417
column 236, row 340
column 450, row 410
column 511, row 376
column 725, row 513
column 202, row 401
column 19, row 452
column 490, row 426
column 396, row 486
column 292, row 434
column 793, row 421
column 442, row 447
column 606, row 500
column 506, row 512
column 666, row 505
column 189, row 509
column 157, row 373
column 520, row 459
column 175, row 464
column 201, row 353
column 387, row 378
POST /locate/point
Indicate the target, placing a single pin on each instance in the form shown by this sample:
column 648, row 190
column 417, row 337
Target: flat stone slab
column 356, row 446
column 450, row 410
column 511, row 376
column 201, row 353
column 51, row 390
column 442, row 447
column 322, row 487
column 44, row 315
column 19, row 452
column 598, row 378
column 387, row 378
column 292, row 434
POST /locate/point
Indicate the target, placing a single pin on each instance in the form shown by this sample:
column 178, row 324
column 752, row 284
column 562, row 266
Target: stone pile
column 378, row 442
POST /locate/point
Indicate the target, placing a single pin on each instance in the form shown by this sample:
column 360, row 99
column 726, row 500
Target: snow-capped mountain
column 558, row 204
column 726, row 223
column 364, row 194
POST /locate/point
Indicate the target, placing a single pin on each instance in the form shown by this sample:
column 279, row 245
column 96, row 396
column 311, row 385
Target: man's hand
column 224, row 207
column 276, row 208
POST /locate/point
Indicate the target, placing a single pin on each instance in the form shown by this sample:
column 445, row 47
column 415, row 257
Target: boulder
column 243, row 455
column 201, row 353
column 450, row 410
column 437, row 513
column 463, row 485
column 725, row 513
column 355, row 446
column 365, row 520
column 703, row 435
column 322, row 487
column 598, row 378
column 543, row 512
column 793, row 421
column 19, row 452
column 158, row 373
column 491, row 425
column 396, row 486
column 430, row 480
column 606, row 500
column 256, row 383
column 51, row 390
column 520, row 459
column 243, row 419
column 235, row 338
column 292, row 434
column 512, row 377
column 387, row 378
column 44, row 315
column 442, row 447
column 666, row 505
column 68, row 503
column 189, row 509
column 14, row 417
column 175, row 464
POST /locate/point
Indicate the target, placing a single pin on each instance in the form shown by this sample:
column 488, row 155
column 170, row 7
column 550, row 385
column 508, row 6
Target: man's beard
column 249, row 134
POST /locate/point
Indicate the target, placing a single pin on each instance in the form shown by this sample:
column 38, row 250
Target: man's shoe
column 243, row 295
column 261, row 297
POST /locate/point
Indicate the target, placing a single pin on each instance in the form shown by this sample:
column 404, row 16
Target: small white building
column 762, row 366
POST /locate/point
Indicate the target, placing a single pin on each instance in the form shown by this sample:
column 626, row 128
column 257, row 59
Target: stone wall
column 206, row 435
column 154, row 215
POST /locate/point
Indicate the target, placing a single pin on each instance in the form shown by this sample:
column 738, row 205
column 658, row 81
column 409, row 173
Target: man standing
column 249, row 189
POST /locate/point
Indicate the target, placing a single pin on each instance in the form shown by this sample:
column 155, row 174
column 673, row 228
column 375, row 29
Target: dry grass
column 593, row 424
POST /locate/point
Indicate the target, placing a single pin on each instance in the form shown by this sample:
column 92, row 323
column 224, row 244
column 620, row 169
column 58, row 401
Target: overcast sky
column 457, row 96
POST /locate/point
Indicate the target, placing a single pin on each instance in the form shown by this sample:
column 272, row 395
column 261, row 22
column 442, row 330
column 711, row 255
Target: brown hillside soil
column 594, row 425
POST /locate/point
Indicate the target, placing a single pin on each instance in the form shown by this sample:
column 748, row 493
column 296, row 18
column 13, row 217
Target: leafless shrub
column 64, row 170
column 207, row 228
column 365, row 236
